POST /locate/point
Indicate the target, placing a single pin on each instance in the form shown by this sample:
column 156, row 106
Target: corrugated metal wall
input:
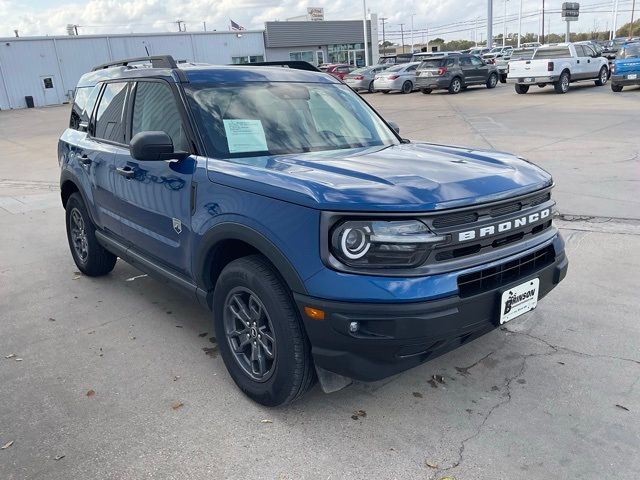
column 24, row 62
column 288, row 34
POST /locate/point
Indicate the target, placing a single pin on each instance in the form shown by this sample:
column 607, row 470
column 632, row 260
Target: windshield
column 263, row 118
column 495, row 50
column 630, row 51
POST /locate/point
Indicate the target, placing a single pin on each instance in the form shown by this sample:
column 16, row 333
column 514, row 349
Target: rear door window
column 109, row 121
column 155, row 109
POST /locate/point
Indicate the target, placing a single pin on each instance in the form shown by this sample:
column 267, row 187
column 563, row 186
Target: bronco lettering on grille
column 503, row 227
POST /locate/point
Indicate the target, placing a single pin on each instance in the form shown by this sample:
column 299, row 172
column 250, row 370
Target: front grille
column 495, row 277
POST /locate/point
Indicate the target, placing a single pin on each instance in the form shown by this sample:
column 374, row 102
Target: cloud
column 50, row 17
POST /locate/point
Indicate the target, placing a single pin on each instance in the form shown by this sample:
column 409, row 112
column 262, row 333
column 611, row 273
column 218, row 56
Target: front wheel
column 260, row 334
column 616, row 88
column 90, row 257
column 492, row 81
column 603, row 76
column 562, row 85
column 521, row 89
column 370, row 89
column 407, row 87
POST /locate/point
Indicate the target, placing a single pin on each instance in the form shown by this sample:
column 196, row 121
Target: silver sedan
column 400, row 77
column 362, row 78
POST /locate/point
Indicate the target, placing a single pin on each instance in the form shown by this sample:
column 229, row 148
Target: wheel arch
column 69, row 184
column 229, row 241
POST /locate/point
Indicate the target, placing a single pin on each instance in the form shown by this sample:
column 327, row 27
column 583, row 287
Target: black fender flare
column 68, row 176
column 237, row 231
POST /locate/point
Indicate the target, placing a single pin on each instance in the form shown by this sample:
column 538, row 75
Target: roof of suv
column 189, row 73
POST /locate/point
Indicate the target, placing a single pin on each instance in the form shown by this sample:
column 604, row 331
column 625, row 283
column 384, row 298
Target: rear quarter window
column 552, row 53
column 83, row 102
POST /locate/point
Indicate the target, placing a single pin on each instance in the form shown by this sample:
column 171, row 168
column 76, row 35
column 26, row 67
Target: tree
column 623, row 31
column 386, row 44
column 437, row 40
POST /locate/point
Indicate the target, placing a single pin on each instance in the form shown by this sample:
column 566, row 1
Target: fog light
column 353, row 327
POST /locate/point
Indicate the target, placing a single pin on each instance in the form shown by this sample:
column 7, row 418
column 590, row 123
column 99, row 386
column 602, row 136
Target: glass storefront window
column 302, row 56
column 247, row 59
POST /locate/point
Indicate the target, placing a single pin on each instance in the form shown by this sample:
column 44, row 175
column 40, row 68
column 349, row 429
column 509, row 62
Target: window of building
column 247, row 59
column 47, row 82
column 155, row 109
column 302, row 56
column 109, row 118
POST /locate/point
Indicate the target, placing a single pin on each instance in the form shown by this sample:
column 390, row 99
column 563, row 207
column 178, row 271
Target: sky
column 449, row 19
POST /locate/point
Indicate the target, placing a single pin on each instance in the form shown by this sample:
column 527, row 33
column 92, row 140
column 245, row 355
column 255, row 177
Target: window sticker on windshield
column 245, row 136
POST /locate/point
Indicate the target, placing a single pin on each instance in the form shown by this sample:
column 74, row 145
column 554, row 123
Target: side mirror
column 154, row 146
column 394, row 126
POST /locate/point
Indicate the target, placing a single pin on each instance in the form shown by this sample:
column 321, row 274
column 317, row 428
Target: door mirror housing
column 153, row 147
column 394, row 126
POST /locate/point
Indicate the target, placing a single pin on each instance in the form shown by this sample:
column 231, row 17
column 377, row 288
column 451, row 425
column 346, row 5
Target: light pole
column 504, row 25
column 615, row 20
column 366, row 37
column 489, row 23
column 520, row 24
column 412, row 15
column 402, row 35
column 633, row 10
column 542, row 41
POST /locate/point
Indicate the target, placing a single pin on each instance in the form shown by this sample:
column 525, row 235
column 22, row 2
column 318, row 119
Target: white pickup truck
column 558, row 64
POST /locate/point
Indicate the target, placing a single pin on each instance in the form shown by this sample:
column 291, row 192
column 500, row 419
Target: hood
column 407, row 177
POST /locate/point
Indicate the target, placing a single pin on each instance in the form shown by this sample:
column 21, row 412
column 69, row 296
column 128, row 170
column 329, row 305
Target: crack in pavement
column 599, row 224
column 506, row 396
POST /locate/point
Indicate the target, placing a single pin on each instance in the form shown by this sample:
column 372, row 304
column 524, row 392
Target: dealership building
column 45, row 70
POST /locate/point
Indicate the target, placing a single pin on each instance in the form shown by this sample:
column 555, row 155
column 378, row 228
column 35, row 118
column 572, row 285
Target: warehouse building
column 47, row 69
column 43, row 71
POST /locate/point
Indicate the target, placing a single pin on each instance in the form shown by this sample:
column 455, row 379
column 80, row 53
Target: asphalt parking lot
column 118, row 377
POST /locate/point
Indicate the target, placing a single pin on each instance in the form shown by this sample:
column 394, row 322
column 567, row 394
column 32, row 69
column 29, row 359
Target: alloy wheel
column 79, row 235
column 250, row 333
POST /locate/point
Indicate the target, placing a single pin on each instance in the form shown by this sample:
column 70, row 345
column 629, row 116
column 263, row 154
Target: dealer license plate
column 632, row 76
column 519, row 300
column 529, row 80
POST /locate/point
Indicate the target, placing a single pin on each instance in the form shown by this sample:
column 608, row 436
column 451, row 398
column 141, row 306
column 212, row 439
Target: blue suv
column 625, row 69
column 326, row 245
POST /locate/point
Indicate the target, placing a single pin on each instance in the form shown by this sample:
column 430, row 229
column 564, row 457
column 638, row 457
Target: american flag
column 235, row 26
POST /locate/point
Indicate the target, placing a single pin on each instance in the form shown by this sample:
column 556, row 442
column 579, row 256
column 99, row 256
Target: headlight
column 382, row 244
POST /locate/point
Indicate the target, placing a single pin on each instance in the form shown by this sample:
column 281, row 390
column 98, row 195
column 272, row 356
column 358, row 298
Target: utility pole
column 475, row 33
column 366, row 37
column 490, row 23
column 615, row 20
column 412, row 15
column 384, row 38
column 520, row 24
column 204, row 26
column 402, row 35
column 504, row 25
column 542, row 41
column 179, row 23
column 633, row 10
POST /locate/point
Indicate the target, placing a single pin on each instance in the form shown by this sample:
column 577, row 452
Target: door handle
column 126, row 172
column 84, row 160
column 578, row 61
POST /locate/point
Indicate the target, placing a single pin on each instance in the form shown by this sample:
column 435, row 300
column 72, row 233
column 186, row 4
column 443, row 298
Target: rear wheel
column 426, row 91
column 407, row 87
column 562, row 85
column 521, row 89
column 616, row 88
column 492, row 81
column 90, row 257
column 261, row 338
column 603, row 76
column 370, row 89
column 455, row 86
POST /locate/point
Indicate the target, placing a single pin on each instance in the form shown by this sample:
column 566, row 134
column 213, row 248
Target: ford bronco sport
column 326, row 245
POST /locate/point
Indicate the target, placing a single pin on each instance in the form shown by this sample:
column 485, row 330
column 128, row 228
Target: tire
column 426, row 91
column 492, row 81
column 251, row 285
column 521, row 89
column 455, row 86
column 90, row 257
column 407, row 87
column 370, row 89
column 503, row 78
column 562, row 85
column 616, row 88
column 603, row 77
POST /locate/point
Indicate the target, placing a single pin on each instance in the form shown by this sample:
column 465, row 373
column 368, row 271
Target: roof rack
column 158, row 61
column 295, row 64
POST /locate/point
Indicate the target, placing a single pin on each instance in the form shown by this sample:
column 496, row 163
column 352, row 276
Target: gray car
column 398, row 77
column 362, row 78
column 455, row 73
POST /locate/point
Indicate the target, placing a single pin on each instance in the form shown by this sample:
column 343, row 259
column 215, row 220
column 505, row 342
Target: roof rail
column 295, row 64
column 158, row 61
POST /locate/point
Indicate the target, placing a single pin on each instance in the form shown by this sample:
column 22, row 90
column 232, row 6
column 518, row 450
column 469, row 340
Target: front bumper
column 533, row 80
column 394, row 337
